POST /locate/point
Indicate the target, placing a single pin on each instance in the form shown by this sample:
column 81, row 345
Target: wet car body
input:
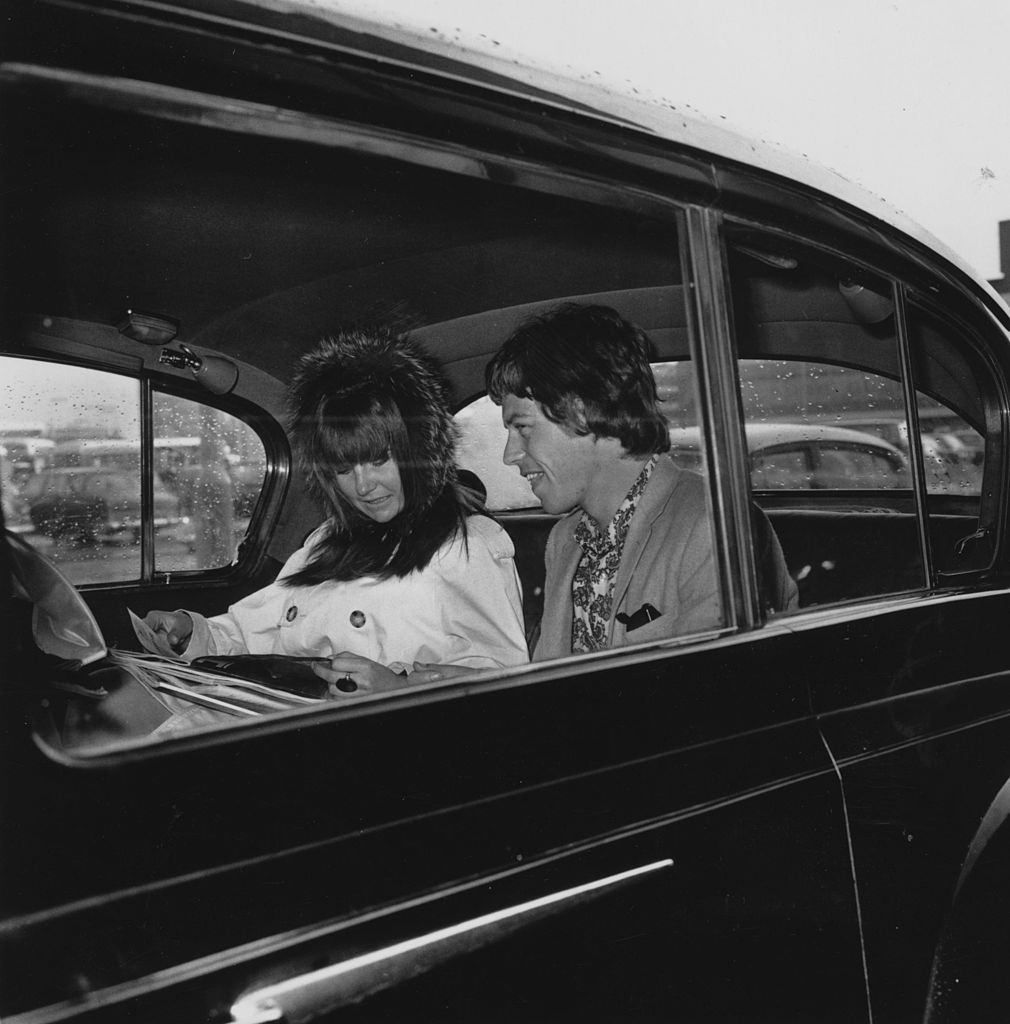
column 786, row 818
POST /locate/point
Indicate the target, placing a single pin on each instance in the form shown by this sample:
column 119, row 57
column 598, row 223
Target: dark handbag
column 278, row 671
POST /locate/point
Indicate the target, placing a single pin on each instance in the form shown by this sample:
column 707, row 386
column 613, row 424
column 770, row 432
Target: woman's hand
column 350, row 675
column 175, row 627
column 430, row 672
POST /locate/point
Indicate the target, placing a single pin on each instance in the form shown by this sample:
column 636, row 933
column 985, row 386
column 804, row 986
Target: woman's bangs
column 354, row 438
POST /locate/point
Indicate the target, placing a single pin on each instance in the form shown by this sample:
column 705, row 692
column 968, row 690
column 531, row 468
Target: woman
column 402, row 571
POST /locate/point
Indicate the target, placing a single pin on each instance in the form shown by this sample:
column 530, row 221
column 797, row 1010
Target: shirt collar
column 596, row 542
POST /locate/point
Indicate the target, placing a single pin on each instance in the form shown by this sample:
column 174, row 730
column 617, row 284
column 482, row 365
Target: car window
column 72, row 504
column 840, row 467
column 790, row 468
column 79, row 499
column 957, row 409
column 824, row 411
column 481, row 446
column 210, row 467
column 819, row 370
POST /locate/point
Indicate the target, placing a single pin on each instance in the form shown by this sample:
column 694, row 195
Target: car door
column 908, row 690
column 646, row 832
column 645, row 836
column 652, row 832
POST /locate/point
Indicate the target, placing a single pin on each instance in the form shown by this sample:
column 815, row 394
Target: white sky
column 909, row 98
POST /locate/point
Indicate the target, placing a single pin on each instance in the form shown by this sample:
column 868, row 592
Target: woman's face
column 374, row 488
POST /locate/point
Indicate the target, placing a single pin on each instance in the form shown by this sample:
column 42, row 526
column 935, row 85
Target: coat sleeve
column 249, row 625
column 698, row 582
column 480, row 600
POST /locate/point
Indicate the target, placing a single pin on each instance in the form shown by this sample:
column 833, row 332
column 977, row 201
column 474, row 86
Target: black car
column 794, row 816
column 89, row 505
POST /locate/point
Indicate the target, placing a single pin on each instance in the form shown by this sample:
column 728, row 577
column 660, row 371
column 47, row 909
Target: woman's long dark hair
column 365, row 396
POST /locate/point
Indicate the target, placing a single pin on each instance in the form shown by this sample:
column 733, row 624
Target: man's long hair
column 365, row 396
column 588, row 368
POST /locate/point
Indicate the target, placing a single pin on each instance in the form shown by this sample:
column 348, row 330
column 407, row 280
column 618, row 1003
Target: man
column 634, row 559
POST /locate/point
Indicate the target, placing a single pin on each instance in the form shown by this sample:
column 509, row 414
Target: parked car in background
column 791, row 815
column 95, row 505
column 807, row 455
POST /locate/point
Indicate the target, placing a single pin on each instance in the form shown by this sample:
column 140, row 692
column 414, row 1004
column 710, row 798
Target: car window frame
column 252, row 549
column 905, row 290
column 995, row 486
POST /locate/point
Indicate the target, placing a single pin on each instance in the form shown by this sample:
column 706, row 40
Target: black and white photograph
column 505, row 512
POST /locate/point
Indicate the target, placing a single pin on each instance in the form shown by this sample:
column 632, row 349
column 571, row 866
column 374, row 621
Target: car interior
column 165, row 248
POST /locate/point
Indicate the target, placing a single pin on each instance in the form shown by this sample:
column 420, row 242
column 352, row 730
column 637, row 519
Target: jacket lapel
column 556, row 621
column 657, row 496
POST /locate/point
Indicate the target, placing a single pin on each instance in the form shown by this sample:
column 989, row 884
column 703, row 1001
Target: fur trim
column 357, row 361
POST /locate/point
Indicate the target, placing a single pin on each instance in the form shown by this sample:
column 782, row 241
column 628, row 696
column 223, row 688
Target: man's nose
column 363, row 479
column 514, row 450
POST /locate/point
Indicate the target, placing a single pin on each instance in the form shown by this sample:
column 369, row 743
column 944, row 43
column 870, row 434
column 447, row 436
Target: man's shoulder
column 670, row 481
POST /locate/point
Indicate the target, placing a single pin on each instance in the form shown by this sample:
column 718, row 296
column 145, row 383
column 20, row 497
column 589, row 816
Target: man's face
column 559, row 465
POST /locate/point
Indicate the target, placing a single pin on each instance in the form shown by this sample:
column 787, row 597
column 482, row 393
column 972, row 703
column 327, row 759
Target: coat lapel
column 556, row 621
column 657, row 496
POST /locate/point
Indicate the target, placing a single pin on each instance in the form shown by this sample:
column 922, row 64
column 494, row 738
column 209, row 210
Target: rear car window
column 81, row 500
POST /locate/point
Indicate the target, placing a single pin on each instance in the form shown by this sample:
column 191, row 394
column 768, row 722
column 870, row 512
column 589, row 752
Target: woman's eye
column 342, row 470
column 381, row 460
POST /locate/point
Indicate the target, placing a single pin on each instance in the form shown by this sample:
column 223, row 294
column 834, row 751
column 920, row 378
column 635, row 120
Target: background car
column 95, row 505
column 807, row 455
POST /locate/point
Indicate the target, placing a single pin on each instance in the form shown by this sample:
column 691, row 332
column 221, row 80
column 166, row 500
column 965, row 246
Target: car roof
column 445, row 51
column 239, row 286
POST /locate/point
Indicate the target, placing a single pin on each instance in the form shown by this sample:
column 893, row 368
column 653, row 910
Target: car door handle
column 308, row 995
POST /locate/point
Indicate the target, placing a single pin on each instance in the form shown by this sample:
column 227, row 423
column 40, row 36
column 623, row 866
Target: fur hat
column 355, row 367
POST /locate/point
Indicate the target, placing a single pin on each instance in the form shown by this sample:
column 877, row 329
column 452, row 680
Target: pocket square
column 644, row 615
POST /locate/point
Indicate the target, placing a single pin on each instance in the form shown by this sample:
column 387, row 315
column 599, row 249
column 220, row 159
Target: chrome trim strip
column 322, row 990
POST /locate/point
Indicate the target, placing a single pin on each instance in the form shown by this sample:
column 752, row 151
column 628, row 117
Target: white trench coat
column 463, row 608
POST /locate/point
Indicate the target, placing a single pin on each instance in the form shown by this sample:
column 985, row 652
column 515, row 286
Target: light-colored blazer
column 668, row 562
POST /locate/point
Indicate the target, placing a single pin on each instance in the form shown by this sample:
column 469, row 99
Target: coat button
column 357, row 619
column 292, row 613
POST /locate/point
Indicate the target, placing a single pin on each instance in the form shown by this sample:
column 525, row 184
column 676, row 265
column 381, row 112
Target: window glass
column 955, row 399
column 788, row 469
column 70, row 449
column 71, row 473
column 347, row 237
column 209, row 470
column 481, row 446
column 824, row 415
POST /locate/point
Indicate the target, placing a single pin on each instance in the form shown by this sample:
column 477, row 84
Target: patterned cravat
column 593, row 584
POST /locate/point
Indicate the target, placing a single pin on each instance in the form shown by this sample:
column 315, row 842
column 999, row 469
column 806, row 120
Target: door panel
column 280, row 850
column 913, row 706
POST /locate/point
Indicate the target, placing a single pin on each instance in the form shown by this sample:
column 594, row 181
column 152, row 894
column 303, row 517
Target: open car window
column 301, row 238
